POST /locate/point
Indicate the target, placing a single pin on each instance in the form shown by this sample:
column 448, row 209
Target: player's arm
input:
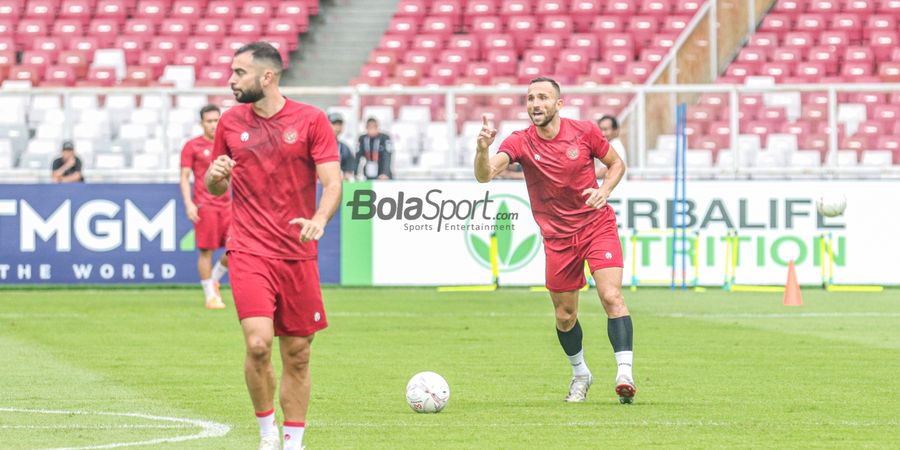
column 487, row 168
column 329, row 174
column 218, row 175
column 189, row 207
column 615, row 170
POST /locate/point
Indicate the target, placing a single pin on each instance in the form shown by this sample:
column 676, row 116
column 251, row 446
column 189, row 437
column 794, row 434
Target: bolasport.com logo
column 479, row 219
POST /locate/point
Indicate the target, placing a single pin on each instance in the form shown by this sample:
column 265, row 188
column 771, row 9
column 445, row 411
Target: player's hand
column 487, row 135
column 220, row 169
column 310, row 229
column 596, row 197
column 192, row 211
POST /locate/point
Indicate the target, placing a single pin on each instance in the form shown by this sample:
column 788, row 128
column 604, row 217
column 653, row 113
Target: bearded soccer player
column 270, row 150
column 557, row 158
column 211, row 215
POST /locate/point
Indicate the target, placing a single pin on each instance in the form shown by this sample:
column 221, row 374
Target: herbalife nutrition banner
column 438, row 233
column 113, row 233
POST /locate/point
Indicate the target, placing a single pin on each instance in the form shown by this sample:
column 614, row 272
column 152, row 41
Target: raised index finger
column 484, row 120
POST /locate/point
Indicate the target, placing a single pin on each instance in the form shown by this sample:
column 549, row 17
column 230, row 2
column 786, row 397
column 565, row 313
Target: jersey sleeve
column 599, row 144
column 220, row 145
column 186, row 156
column 323, row 143
column 512, row 146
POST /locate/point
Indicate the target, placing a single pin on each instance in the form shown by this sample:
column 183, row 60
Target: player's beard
column 250, row 95
column 548, row 117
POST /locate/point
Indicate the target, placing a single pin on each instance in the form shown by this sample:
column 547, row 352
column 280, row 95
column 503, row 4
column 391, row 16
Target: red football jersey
column 557, row 171
column 274, row 177
column 197, row 155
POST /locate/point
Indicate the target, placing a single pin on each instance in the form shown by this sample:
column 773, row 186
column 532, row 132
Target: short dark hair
column 207, row 109
column 263, row 51
column 548, row 80
column 371, row 120
column 612, row 120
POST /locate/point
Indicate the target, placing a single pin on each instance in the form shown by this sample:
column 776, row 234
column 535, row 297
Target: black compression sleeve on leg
column 570, row 340
column 620, row 333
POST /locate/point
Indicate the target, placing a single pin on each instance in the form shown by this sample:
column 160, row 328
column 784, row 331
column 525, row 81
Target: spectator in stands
column 67, row 168
column 348, row 161
column 609, row 126
column 374, row 152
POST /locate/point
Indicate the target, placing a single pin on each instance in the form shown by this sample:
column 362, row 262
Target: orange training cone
column 792, row 288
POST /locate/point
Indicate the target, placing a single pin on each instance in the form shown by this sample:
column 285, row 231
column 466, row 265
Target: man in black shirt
column 67, row 168
column 374, row 151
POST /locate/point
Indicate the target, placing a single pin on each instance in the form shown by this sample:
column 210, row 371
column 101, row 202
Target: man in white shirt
column 609, row 126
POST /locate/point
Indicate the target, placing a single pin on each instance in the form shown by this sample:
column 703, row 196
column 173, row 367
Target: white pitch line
column 799, row 315
column 209, row 429
column 123, row 426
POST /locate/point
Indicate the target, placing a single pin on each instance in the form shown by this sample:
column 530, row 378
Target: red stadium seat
column 140, row 26
column 838, row 39
column 166, row 44
column 604, row 71
column 498, row 42
column 403, row 26
column 27, row 30
column 195, row 58
column 132, row 45
column 80, row 10
column 503, row 62
column 802, row 39
column 449, row 9
column 83, row 43
column 688, row 7
column 419, row 56
column 102, row 76
column 810, row 22
column 850, row 23
column 34, row 74
column 414, row 8
column 393, row 42
column 445, row 74
column 59, row 76
column 789, row 7
column 878, row 23
column 551, row 7
column 621, row 7
column 482, row 25
column 644, row 24
column 522, row 29
column 548, row 41
column 814, row 112
column 889, row 71
column 659, row 8
column 753, row 54
column 587, row 42
column 883, row 43
column 156, row 60
column 210, row 27
column 139, row 76
column 7, row 44
column 176, row 27
column 572, row 63
column 887, row 113
column 111, row 9
column 200, row 43
column 213, row 76
column 608, row 24
column 155, row 10
column 105, row 30
column 188, row 9
column 457, row 57
column 811, row 72
column 443, row 26
column 37, row 58
column 764, row 39
column 44, row 10
column 788, row 54
column 257, row 9
column 516, row 7
column 282, row 27
column 246, row 28
column 864, row 7
column 796, row 128
column 428, row 42
column 557, row 24
column 68, row 28
column 653, row 54
column 224, row 10
column 826, row 55
column 481, row 71
column 584, row 12
column 778, row 24
column 296, row 11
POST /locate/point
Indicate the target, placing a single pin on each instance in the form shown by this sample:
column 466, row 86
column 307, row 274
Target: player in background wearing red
column 557, row 158
column 210, row 215
column 270, row 150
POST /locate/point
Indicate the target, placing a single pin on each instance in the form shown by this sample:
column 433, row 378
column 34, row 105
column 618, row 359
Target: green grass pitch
column 713, row 370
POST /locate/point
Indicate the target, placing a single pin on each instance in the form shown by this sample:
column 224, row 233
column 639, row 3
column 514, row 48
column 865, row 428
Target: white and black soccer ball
column 427, row 392
column 831, row 205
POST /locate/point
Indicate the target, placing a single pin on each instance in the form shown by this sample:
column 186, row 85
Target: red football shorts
column 598, row 244
column 287, row 291
column 211, row 230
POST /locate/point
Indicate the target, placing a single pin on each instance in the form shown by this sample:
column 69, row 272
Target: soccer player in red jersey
column 557, row 157
column 270, row 150
column 210, row 214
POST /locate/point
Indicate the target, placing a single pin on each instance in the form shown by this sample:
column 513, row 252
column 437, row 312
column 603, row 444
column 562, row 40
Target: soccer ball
column 831, row 205
column 427, row 392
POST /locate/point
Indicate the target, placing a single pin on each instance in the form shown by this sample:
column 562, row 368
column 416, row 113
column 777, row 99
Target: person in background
column 210, row 215
column 67, row 168
column 348, row 161
column 374, row 152
column 609, row 126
